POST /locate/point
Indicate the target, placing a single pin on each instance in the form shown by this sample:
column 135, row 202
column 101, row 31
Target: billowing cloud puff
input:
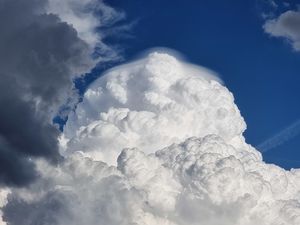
column 199, row 181
column 150, row 104
column 157, row 141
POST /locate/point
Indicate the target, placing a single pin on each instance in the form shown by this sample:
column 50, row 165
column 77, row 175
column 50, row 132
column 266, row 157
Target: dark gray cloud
column 39, row 57
column 286, row 26
column 50, row 208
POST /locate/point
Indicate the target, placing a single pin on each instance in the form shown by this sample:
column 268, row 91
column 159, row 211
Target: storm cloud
column 40, row 55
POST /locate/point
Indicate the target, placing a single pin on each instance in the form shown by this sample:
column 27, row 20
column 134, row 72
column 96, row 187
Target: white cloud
column 287, row 26
column 3, row 201
column 150, row 104
column 167, row 177
column 200, row 181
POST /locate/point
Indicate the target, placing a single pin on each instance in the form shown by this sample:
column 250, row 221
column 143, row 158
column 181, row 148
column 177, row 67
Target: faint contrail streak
column 280, row 138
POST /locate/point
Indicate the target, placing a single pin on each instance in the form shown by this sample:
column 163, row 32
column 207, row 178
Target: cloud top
column 150, row 103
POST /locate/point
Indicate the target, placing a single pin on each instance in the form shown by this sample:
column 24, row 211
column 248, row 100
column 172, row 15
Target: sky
column 228, row 37
column 149, row 112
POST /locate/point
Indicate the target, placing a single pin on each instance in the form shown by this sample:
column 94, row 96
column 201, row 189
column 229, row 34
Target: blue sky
column 227, row 37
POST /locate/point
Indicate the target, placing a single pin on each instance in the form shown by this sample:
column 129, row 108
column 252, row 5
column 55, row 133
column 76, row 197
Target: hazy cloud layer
column 157, row 104
column 286, row 26
column 40, row 55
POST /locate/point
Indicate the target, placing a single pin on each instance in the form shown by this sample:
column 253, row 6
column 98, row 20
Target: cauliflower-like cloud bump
column 199, row 181
column 155, row 142
column 150, row 104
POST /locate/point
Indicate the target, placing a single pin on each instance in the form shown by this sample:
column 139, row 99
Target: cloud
column 286, row 26
column 150, row 104
column 280, row 138
column 272, row 4
column 172, row 150
column 199, row 181
column 41, row 53
column 3, row 201
column 87, row 16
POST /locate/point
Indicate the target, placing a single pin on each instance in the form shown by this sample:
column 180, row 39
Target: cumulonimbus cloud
column 154, row 142
column 157, row 93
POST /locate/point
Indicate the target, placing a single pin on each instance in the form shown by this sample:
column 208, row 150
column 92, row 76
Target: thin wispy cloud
column 280, row 138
